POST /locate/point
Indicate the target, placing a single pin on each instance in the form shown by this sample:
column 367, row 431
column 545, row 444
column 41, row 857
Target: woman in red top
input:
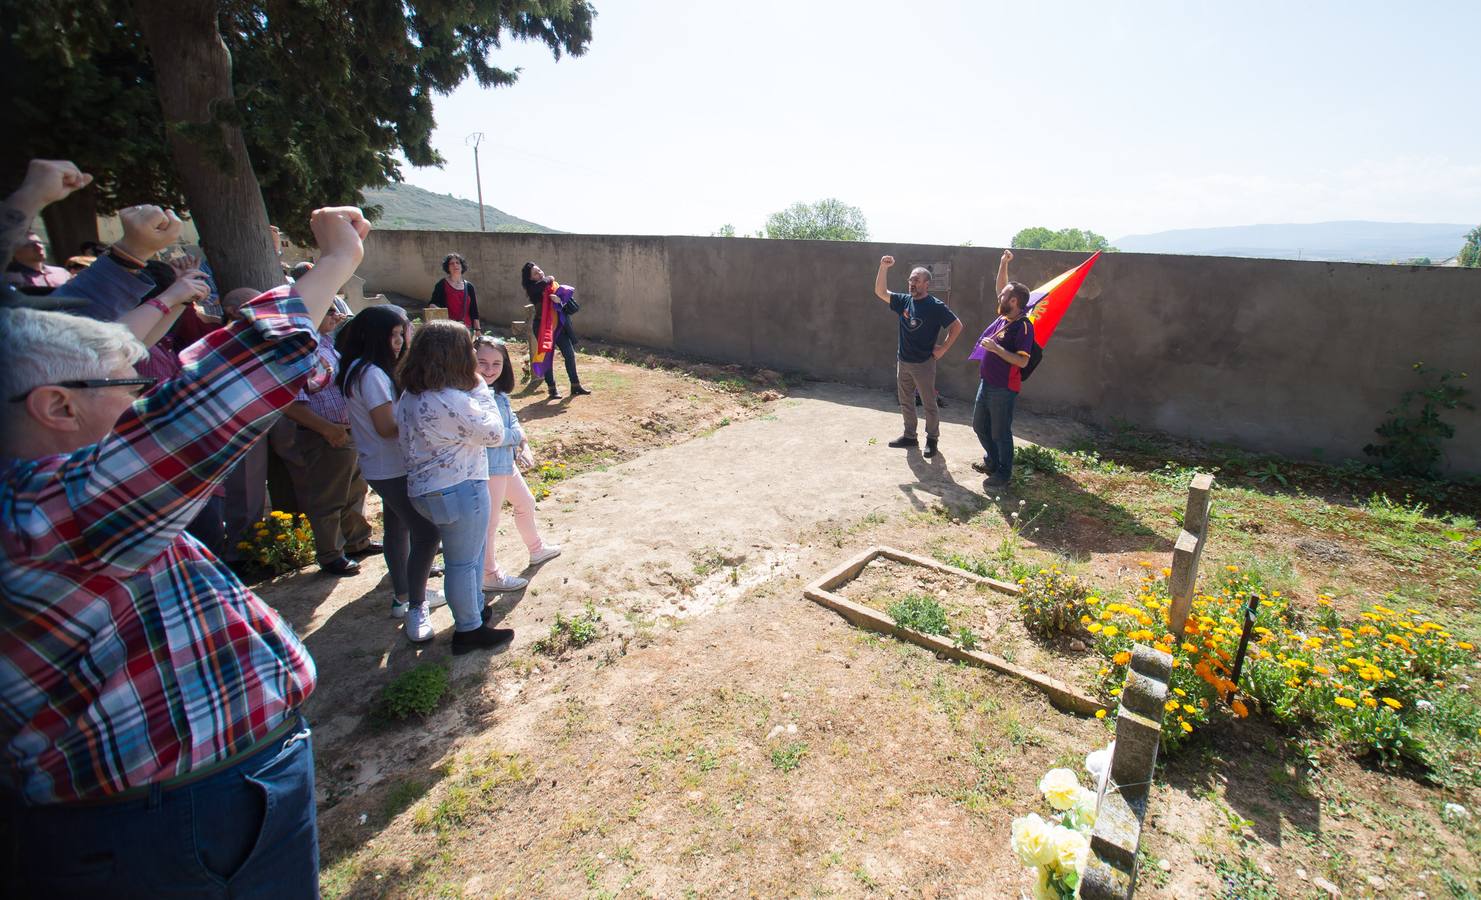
column 456, row 295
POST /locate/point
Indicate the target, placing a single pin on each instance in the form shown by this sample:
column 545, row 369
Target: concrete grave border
column 820, row 591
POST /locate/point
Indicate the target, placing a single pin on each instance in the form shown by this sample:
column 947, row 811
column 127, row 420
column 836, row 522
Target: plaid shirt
column 321, row 393
column 130, row 654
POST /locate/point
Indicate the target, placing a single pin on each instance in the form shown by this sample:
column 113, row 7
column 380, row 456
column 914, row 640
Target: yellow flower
column 1171, row 705
column 1180, row 692
column 1166, row 572
column 1370, row 702
column 1345, row 703
column 1231, row 568
column 1101, row 714
column 1392, row 703
column 1122, row 658
column 1110, row 630
column 1188, row 709
column 1187, row 729
column 1093, row 627
column 1189, row 648
column 1465, row 645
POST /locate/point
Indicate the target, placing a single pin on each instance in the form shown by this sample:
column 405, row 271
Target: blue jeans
column 461, row 514
column 411, row 540
column 992, row 419
column 247, row 831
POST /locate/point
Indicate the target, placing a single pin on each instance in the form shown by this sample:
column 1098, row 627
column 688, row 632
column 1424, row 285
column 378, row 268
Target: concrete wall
column 1300, row 358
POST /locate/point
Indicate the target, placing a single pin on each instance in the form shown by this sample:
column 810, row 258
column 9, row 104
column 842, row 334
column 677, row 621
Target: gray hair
column 44, row 347
column 922, row 269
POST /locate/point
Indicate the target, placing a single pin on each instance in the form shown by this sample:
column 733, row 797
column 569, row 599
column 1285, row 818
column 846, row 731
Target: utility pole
column 474, row 139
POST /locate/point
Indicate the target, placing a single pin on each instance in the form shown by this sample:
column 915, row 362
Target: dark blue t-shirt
column 920, row 322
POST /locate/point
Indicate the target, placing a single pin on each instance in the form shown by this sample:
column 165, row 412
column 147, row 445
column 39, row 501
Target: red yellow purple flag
column 1048, row 302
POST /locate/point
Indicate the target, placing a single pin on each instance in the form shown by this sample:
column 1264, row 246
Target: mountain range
column 1380, row 242
column 408, row 208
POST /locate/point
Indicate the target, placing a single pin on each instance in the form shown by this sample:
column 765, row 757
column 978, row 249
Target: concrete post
column 1187, row 551
column 1184, row 577
column 1110, row 871
column 1195, row 518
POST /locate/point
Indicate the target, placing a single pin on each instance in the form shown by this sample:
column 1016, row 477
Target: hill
column 1380, row 242
column 407, row 208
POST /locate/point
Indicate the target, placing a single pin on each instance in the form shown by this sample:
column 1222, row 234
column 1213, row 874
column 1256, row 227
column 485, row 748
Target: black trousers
column 568, row 350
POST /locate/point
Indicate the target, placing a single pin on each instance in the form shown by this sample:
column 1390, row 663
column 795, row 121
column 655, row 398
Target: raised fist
column 148, row 230
column 50, row 180
column 1007, row 256
column 339, row 229
column 886, row 261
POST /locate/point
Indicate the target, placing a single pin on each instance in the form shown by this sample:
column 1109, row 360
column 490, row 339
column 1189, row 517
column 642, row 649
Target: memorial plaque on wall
column 940, row 276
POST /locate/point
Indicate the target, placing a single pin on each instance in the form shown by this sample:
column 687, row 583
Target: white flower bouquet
column 1054, row 849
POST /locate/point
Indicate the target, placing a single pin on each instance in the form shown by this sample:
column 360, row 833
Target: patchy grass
column 571, row 634
column 788, row 757
column 415, row 692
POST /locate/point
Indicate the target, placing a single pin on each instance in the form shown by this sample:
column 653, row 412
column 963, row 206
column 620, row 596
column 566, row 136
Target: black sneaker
column 930, row 448
column 980, row 466
column 579, row 391
column 917, row 400
column 903, row 442
column 482, row 638
column 555, row 394
column 997, row 481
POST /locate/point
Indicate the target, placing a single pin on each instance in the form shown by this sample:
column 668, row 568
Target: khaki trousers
column 329, row 485
column 911, row 378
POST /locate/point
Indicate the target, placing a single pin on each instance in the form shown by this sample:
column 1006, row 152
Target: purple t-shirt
column 994, row 370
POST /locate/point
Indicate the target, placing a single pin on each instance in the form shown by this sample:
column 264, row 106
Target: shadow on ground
column 1266, row 781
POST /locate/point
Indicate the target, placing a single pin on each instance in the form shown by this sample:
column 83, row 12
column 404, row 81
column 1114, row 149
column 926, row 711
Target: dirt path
column 694, row 553
column 723, row 736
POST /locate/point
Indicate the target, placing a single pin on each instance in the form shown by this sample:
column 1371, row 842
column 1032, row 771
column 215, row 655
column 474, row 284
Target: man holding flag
column 1010, row 350
column 1007, row 345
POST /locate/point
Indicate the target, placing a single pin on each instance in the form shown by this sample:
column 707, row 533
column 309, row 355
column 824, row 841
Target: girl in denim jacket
column 505, row 482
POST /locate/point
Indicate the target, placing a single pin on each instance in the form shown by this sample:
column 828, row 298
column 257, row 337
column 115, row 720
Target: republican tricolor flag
column 1048, row 303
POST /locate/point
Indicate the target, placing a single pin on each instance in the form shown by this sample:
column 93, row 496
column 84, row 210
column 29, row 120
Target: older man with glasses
column 150, row 739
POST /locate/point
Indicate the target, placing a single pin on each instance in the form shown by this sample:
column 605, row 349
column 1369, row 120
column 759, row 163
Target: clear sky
column 948, row 122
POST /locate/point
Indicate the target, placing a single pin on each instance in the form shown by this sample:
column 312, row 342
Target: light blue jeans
column 461, row 514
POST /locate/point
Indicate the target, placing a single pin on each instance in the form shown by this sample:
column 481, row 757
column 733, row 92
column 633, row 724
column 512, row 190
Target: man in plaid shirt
column 148, row 700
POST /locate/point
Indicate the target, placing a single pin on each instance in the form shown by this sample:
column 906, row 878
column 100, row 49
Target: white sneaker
column 434, row 600
column 546, row 554
column 507, row 583
column 418, row 629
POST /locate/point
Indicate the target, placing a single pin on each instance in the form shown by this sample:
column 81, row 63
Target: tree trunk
column 193, row 73
column 71, row 221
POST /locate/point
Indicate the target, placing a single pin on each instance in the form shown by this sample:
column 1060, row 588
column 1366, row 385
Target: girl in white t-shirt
column 370, row 346
column 445, row 419
column 505, row 482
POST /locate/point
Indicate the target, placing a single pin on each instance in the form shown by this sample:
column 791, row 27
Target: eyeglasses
column 143, row 384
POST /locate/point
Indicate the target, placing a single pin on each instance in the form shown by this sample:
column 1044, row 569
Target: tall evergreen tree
column 300, row 104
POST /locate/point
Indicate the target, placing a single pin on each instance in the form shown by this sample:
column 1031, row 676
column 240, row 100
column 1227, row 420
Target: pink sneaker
column 545, row 554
